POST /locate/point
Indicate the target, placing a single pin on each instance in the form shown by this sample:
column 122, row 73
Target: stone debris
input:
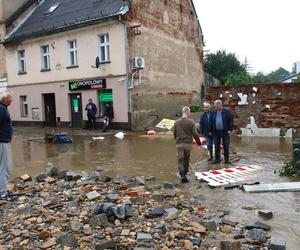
column 266, row 214
column 78, row 210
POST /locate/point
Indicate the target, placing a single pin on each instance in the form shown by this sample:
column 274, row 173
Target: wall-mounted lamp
column 121, row 80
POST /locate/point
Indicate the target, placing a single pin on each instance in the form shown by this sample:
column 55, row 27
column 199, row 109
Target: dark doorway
column 50, row 111
column 76, row 110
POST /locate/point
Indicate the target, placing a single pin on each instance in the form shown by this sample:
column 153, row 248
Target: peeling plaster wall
column 170, row 40
column 272, row 105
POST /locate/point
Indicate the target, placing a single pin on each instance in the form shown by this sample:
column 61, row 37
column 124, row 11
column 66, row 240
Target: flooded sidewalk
column 140, row 155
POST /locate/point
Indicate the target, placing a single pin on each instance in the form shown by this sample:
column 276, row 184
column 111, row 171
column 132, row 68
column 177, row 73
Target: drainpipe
column 129, row 83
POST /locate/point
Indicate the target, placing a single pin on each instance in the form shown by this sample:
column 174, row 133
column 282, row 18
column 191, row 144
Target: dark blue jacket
column 204, row 125
column 226, row 118
column 5, row 124
column 91, row 109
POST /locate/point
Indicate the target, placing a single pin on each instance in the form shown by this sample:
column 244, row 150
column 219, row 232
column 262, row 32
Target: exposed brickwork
column 170, row 40
column 283, row 100
column 175, row 18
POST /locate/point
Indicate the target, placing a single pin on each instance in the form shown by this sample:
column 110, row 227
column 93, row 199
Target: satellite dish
column 97, row 62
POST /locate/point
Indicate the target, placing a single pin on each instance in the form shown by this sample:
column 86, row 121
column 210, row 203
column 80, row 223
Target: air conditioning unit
column 138, row 62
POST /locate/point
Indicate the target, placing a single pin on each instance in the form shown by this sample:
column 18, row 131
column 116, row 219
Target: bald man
column 5, row 138
column 184, row 132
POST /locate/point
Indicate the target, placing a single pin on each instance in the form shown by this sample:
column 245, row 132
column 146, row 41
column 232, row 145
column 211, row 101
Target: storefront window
column 105, row 103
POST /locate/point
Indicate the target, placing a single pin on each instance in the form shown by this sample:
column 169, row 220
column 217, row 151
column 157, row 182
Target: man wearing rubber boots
column 184, row 132
column 222, row 125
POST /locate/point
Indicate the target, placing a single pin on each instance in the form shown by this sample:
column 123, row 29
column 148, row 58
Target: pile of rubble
column 76, row 210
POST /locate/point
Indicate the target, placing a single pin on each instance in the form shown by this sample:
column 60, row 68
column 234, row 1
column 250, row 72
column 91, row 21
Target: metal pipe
column 130, row 110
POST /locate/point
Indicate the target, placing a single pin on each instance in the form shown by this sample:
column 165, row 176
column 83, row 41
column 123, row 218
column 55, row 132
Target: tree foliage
column 279, row 74
column 238, row 78
column 230, row 71
column 222, row 64
column 260, row 77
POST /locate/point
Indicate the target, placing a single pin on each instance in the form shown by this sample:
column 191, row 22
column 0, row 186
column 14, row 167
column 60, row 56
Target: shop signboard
column 87, row 84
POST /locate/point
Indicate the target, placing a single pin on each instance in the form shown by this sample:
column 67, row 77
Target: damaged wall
column 168, row 36
column 272, row 105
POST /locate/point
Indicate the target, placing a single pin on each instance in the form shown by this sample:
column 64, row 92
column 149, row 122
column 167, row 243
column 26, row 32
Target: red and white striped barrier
column 224, row 176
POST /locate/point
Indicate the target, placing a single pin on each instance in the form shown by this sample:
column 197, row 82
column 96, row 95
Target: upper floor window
column 45, row 57
column 21, row 61
column 72, row 52
column 103, row 41
column 24, row 105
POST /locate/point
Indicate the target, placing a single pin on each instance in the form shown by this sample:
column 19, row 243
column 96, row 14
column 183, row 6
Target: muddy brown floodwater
column 138, row 155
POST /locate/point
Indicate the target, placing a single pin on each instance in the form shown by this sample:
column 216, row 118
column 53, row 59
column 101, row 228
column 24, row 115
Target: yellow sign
column 166, row 123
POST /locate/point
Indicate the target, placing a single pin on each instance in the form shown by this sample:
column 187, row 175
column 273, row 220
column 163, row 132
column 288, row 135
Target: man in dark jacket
column 91, row 109
column 205, row 128
column 5, row 138
column 108, row 115
column 222, row 125
column 184, row 132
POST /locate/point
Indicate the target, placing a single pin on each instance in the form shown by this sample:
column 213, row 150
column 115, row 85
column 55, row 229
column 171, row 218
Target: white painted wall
column 87, row 51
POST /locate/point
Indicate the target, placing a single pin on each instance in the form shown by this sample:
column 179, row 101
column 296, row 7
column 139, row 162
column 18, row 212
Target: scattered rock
column 98, row 220
column 112, row 198
column 158, row 197
column 75, row 226
column 172, row 210
column 266, row 214
column 256, row 236
column 230, row 245
column 258, row 225
column 26, row 177
column 277, row 244
column 51, row 170
column 250, row 207
column 200, row 228
column 140, row 181
column 49, row 243
column 72, row 176
column 155, row 212
column 109, row 244
column 45, row 234
column 161, row 228
column 168, row 185
column 125, row 232
column 188, row 244
column 238, row 236
column 210, row 225
column 93, row 195
column 227, row 229
column 229, row 222
column 67, row 240
column 144, row 237
column 50, row 180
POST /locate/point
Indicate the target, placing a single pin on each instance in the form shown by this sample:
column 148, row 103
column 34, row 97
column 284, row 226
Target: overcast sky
column 267, row 32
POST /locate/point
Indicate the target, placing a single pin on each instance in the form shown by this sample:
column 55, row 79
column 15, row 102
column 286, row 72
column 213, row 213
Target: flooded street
column 138, row 155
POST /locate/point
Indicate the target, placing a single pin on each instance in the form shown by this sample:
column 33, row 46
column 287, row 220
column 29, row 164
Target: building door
column 76, row 110
column 50, row 111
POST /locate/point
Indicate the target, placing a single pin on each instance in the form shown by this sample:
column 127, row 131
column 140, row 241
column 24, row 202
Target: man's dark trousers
column 222, row 135
column 91, row 121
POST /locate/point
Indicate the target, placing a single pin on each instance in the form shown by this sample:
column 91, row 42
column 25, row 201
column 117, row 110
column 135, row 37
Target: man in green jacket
column 184, row 132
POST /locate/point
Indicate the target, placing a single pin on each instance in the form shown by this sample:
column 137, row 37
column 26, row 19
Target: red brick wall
column 272, row 106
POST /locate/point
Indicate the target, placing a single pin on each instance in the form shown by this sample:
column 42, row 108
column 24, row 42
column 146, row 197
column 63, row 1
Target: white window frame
column 45, row 54
column 105, row 45
column 21, row 61
column 72, row 46
column 23, row 106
